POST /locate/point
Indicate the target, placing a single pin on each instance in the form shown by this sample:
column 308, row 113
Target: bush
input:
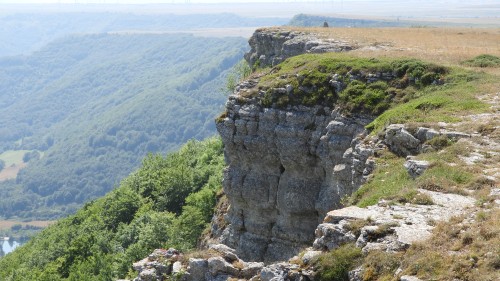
column 483, row 61
column 335, row 265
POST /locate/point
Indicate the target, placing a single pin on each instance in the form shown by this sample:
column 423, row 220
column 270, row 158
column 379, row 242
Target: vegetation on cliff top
column 167, row 202
column 400, row 90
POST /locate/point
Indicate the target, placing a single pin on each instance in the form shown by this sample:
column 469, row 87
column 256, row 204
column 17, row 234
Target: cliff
column 269, row 47
column 286, row 170
column 311, row 132
column 295, row 140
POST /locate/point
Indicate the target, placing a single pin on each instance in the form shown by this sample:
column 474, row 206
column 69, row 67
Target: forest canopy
column 95, row 105
column 167, row 202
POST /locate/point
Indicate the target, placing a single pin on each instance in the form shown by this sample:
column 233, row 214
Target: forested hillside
column 168, row 202
column 95, row 105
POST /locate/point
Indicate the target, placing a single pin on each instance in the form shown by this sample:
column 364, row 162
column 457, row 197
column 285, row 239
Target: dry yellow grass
column 447, row 46
column 7, row 224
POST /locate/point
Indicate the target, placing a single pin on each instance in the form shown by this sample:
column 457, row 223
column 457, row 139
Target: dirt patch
column 9, row 173
column 7, row 224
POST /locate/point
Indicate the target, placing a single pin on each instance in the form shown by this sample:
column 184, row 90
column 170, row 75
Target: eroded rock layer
column 286, row 170
column 269, row 47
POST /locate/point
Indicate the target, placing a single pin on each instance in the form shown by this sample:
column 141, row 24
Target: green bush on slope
column 483, row 61
column 165, row 203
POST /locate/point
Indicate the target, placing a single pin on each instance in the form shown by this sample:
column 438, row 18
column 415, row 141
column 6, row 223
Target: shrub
column 335, row 265
column 439, row 142
column 483, row 61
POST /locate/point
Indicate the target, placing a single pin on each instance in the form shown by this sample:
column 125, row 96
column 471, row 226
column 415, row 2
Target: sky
column 155, row 1
column 143, row 1
column 410, row 9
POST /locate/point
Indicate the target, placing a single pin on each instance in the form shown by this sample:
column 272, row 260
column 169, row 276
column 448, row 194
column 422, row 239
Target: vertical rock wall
column 286, row 170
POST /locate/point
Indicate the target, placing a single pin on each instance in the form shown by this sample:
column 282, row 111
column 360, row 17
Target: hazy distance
column 485, row 10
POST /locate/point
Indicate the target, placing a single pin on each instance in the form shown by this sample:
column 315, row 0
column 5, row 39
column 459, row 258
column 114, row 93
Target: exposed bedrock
column 286, row 170
column 270, row 46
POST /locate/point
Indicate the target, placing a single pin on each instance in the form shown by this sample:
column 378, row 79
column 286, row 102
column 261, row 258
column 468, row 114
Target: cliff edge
column 342, row 167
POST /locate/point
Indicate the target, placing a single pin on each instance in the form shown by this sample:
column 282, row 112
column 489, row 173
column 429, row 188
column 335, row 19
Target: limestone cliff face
column 287, row 169
column 269, row 47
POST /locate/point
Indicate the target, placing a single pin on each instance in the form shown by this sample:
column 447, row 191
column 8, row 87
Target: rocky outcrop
column 286, row 170
column 403, row 141
column 389, row 227
column 269, row 47
column 158, row 264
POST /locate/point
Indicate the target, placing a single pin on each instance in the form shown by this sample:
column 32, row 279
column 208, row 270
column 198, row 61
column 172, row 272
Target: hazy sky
column 159, row 1
column 146, row 1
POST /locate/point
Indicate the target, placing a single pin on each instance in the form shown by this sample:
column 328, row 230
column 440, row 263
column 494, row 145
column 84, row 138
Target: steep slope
column 97, row 104
column 425, row 180
column 167, row 200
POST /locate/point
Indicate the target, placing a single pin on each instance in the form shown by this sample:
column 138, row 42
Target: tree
column 239, row 72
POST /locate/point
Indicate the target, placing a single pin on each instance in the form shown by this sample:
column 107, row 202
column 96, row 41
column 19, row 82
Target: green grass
column 389, row 178
column 391, row 181
column 395, row 101
column 310, row 74
column 446, row 103
column 13, row 157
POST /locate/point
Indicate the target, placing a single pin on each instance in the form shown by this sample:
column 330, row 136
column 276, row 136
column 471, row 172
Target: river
column 9, row 246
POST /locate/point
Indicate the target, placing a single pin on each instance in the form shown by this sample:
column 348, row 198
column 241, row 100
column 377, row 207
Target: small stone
column 456, row 135
column 416, row 167
column 309, row 256
column 409, row 278
column 218, row 265
column 495, row 192
column 251, row 269
column 356, row 274
column 227, row 252
column 425, row 134
column 177, row 267
column 148, row 274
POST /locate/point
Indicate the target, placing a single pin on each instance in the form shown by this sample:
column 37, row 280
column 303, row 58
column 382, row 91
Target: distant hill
column 306, row 20
column 23, row 33
column 95, row 105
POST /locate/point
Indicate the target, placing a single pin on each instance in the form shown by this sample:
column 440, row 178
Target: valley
column 158, row 142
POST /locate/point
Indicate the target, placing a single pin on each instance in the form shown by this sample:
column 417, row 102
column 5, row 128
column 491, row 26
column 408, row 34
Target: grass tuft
column 336, row 264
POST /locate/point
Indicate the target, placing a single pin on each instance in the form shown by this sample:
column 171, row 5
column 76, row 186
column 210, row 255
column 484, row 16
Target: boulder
column 197, row 269
column 218, row 265
column 425, row 134
column 400, row 141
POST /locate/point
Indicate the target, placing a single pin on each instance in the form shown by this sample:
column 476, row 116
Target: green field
column 11, row 157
